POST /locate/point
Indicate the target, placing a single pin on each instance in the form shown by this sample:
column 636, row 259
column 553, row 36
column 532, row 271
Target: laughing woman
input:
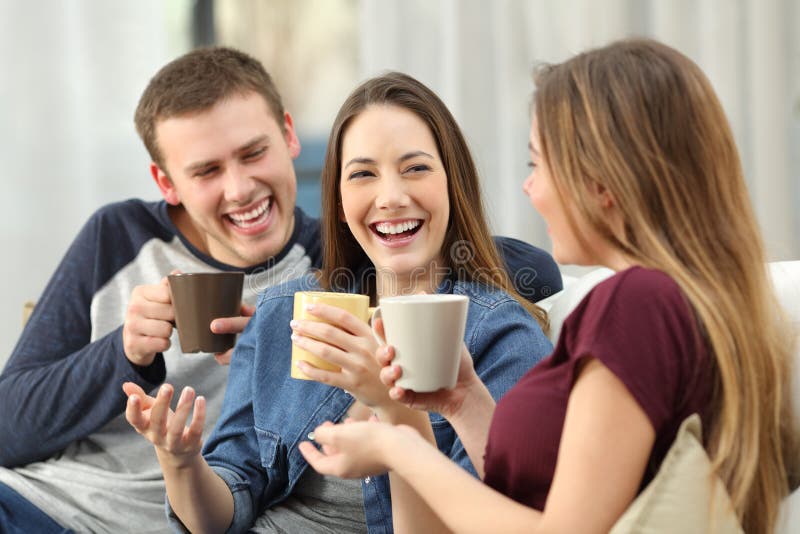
column 401, row 206
column 633, row 167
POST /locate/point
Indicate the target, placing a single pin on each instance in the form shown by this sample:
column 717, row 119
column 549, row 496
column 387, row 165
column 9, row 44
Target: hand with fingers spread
column 175, row 442
column 148, row 323
column 231, row 325
column 346, row 341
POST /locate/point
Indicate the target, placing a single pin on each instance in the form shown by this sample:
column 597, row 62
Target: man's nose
column 239, row 185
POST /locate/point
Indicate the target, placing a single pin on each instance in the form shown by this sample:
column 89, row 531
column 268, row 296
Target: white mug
column 426, row 332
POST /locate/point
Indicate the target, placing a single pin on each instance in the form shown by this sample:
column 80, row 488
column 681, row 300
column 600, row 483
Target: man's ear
column 165, row 185
column 291, row 136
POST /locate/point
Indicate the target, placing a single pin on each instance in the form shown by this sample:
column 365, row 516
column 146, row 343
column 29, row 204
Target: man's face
column 230, row 168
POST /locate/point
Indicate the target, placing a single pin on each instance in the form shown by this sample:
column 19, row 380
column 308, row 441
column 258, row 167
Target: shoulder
column 131, row 209
column 481, row 295
column 533, row 271
column 493, row 310
column 636, row 308
column 636, row 290
column 133, row 217
column 115, row 233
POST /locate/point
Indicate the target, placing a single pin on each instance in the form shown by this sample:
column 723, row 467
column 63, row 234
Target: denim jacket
column 266, row 414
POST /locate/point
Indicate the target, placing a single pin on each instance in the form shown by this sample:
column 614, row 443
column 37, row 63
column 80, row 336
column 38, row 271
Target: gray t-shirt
column 318, row 505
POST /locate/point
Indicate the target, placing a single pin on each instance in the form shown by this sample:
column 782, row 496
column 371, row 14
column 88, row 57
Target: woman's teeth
column 389, row 228
column 252, row 217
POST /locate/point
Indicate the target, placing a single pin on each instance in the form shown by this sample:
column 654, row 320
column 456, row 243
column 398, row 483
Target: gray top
column 318, row 505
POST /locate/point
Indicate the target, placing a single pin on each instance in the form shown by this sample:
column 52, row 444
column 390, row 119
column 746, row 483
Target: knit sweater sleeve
column 58, row 385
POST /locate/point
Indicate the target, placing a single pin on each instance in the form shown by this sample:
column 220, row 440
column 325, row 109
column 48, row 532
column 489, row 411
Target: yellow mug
column 358, row 305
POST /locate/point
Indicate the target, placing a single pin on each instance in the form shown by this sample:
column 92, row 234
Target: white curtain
column 73, row 71
column 478, row 55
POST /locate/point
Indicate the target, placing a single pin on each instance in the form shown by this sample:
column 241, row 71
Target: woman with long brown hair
column 401, row 215
column 634, row 167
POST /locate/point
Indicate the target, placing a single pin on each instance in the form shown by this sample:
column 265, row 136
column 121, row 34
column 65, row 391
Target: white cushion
column 683, row 497
column 786, row 279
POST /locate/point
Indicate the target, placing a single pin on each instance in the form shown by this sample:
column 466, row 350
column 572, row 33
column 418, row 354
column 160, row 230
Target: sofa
column 786, row 282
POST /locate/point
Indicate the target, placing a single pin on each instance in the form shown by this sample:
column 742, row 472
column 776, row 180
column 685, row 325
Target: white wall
column 478, row 55
column 73, row 71
column 72, row 74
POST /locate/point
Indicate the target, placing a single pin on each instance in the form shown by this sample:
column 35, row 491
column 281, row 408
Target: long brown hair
column 641, row 120
column 468, row 249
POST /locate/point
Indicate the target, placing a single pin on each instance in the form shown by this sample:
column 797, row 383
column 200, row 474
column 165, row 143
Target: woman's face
column 394, row 195
column 539, row 186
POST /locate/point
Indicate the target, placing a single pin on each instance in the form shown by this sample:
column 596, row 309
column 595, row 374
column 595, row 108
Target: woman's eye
column 417, row 168
column 532, row 165
column 359, row 174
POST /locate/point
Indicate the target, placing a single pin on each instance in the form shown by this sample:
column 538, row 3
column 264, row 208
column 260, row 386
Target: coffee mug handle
column 376, row 314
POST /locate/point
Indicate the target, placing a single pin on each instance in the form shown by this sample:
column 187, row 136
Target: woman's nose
column 526, row 184
column 392, row 194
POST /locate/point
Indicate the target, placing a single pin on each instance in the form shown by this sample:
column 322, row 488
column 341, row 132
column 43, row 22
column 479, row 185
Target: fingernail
column 214, row 325
column 309, row 307
column 294, row 324
column 311, row 436
column 296, row 338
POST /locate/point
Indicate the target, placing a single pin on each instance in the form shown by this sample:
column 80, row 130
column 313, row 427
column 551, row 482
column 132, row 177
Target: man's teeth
column 389, row 228
column 254, row 216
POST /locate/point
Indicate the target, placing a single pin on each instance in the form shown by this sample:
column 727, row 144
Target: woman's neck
column 420, row 280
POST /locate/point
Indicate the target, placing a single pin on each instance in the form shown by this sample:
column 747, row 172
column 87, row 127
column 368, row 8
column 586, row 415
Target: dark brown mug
column 198, row 299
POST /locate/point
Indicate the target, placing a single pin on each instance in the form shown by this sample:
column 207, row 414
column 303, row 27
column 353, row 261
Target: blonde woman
column 633, row 167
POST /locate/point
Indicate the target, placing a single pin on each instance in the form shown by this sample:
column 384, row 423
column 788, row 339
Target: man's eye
column 208, row 171
column 255, row 153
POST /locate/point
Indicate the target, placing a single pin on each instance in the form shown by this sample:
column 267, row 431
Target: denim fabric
column 19, row 516
column 266, row 413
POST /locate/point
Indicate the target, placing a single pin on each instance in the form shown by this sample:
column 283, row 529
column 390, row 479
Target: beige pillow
column 679, row 498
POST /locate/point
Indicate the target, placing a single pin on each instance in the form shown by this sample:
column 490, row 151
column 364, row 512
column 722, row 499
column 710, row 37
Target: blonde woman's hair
column 641, row 120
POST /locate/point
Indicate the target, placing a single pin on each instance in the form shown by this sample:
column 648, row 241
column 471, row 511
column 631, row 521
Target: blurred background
column 73, row 71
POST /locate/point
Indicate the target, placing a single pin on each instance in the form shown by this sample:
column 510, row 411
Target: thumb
column 377, row 325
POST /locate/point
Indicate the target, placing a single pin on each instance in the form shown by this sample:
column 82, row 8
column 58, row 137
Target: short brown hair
column 195, row 82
